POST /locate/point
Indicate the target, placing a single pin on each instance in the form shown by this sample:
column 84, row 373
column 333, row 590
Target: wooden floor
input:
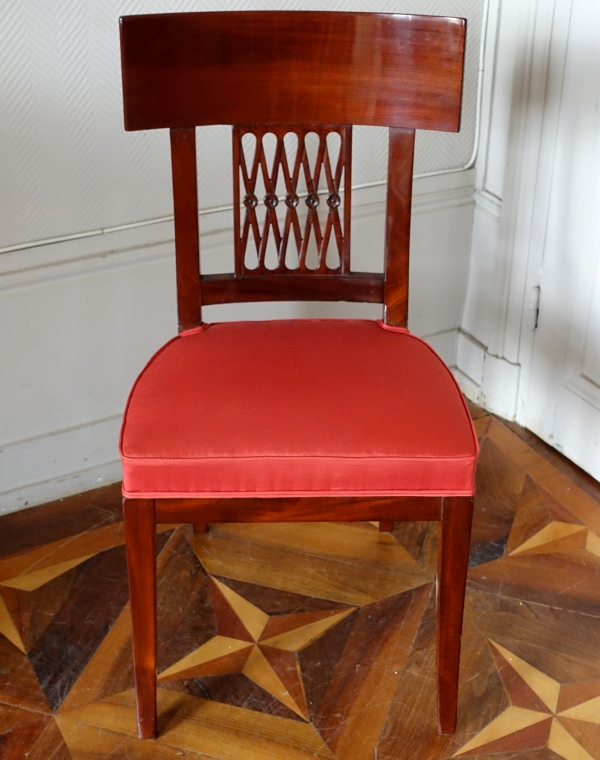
column 283, row 642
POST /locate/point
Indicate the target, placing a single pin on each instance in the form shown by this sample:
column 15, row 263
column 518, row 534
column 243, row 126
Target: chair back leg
column 140, row 532
column 454, row 539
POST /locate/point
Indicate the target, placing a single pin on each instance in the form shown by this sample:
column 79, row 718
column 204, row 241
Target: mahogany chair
column 220, row 426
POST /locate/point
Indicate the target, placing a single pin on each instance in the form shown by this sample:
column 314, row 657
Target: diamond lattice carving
column 292, row 184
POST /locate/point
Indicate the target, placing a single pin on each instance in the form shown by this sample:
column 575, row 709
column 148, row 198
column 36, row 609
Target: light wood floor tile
column 565, row 745
column 546, row 688
column 353, row 583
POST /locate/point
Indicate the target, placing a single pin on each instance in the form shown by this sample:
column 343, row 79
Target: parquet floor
column 283, row 642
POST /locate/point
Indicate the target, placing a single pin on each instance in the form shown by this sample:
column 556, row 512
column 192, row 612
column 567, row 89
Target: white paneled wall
column 80, row 316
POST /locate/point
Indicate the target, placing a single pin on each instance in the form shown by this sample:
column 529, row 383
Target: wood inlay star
column 540, row 714
column 560, row 536
column 260, row 646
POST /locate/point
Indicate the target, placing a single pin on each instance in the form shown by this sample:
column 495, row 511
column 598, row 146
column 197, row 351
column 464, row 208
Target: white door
column 562, row 395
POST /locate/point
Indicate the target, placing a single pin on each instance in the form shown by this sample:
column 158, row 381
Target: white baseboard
column 488, row 380
column 58, row 464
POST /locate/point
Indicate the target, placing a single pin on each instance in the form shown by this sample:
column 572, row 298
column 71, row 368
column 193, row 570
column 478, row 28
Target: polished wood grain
column 347, row 564
column 343, row 66
column 187, row 239
column 305, row 509
column 354, row 708
column 356, row 286
column 138, row 518
column 453, row 545
column 397, row 225
column 59, row 519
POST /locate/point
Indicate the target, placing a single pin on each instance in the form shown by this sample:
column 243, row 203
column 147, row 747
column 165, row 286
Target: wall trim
column 486, row 379
column 138, row 247
column 488, row 203
column 66, row 461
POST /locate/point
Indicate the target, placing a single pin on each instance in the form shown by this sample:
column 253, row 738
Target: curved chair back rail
column 292, row 67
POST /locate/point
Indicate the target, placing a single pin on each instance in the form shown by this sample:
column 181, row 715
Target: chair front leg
column 453, row 556
column 140, row 531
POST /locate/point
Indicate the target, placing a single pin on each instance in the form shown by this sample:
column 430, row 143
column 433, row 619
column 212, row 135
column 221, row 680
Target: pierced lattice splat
column 295, row 201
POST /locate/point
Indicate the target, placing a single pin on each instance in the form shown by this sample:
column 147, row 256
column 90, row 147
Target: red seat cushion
column 296, row 407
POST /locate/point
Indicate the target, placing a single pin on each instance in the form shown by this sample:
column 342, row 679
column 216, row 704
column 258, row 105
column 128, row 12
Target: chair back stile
column 187, row 237
column 397, row 225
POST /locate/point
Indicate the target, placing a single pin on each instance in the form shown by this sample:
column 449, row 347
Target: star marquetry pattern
column 560, row 536
column 542, row 712
column 264, row 648
column 25, row 573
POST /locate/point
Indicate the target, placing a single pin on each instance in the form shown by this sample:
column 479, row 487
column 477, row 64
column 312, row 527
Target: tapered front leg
column 453, row 557
column 386, row 526
column 140, row 531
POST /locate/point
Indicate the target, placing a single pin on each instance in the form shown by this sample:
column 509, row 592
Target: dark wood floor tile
column 233, row 689
column 355, row 707
column 97, row 596
column 50, row 745
column 574, row 473
column 59, row 519
column 562, row 488
column 499, row 485
column 33, row 611
column 276, row 601
column 576, row 693
column 19, row 731
column 19, row 686
column 319, row 660
column 516, row 687
column 566, row 579
column 411, row 729
column 285, row 664
column 419, row 539
column 109, row 671
column 536, row 509
column 529, row 738
column 586, row 734
column 561, row 643
column 185, row 617
column 411, row 726
column 31, row 569
column 227, row 621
